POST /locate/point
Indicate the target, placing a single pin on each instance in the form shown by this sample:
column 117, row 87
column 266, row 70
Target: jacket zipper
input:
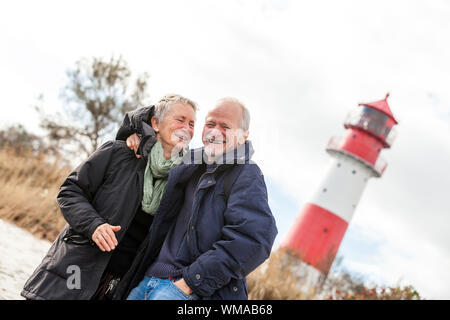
column 195, row 193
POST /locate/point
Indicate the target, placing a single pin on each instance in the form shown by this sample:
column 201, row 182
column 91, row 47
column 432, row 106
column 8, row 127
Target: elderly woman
column 109, row 202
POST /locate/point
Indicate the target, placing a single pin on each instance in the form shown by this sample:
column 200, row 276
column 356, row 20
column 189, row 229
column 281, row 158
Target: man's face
column 222, row 131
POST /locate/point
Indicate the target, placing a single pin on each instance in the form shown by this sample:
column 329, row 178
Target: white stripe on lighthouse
column 342, row 186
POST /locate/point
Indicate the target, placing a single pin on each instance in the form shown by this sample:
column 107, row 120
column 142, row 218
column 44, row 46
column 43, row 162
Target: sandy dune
column 20, row 254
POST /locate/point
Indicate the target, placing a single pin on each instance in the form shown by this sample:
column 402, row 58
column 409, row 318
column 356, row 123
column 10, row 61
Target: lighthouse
column 317, row 232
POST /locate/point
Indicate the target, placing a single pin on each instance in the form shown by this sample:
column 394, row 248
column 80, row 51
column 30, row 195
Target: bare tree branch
column 97, row 95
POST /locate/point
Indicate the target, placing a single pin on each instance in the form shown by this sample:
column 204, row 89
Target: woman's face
column 176, row 128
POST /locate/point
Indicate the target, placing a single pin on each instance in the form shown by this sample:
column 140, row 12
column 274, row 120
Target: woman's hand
column 104, row 237
column 133, row 142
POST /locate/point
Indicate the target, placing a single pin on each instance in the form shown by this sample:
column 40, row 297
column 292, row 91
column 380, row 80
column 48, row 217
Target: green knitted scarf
column 157, row 169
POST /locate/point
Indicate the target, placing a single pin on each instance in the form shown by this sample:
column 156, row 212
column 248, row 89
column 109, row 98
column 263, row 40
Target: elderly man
column 215, row 225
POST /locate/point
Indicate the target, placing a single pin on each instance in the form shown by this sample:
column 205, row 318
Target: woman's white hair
column 164, row 104
column 245, row 122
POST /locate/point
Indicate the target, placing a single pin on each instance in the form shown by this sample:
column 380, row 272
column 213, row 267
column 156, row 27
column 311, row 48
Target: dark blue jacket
column 227, row 238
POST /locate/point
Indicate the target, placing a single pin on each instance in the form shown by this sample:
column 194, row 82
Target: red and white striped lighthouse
column 317, row 232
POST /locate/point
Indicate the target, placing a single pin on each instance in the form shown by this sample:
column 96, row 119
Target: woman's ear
column 155, row 124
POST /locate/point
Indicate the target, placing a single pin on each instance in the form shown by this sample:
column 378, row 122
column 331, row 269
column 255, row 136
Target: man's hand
column 182, row 285
column 133, row 142
column 104, row 237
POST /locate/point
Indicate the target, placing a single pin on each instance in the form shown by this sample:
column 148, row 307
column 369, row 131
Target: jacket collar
column 148, row 135
column 196, row 158
column 240, row 155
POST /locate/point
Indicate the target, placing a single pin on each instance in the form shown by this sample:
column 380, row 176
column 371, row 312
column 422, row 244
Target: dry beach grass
column 29, row 185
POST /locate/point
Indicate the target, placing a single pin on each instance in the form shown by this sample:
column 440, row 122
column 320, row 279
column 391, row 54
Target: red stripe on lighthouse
column 316, row 235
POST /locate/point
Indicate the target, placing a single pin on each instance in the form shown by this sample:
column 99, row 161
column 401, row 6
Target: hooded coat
column 106, row 188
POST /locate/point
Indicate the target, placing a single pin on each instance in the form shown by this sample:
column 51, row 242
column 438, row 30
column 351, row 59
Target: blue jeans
column 159, row 289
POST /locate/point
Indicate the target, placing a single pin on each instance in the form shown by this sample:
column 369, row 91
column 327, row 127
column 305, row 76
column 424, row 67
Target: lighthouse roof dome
column 381, row 105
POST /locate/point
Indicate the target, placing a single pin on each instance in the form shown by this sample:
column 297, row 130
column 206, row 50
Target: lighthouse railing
column 334, row 145
column 380, row 165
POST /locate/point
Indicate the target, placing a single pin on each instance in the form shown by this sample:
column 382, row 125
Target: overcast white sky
column 300, row 67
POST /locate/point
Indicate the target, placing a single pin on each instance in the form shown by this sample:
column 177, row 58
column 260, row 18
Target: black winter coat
column 106, row 188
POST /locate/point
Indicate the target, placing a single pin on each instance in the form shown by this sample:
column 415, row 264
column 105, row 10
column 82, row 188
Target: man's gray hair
column 164, row 104
column 245, row 122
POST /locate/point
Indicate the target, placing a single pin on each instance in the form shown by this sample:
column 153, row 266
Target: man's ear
column 155, row 124
column 243, row 136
